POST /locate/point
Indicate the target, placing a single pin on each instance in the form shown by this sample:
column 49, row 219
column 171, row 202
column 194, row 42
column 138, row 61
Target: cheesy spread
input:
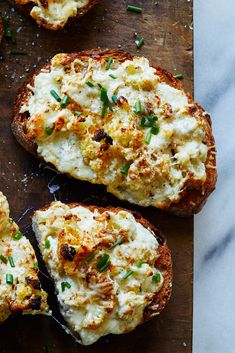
column 118, row 124
column 103, row 265
column 20, row 288
column 54, row 13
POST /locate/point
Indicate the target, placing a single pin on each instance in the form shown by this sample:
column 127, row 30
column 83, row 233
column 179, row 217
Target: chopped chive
column 139, row 263
column 18, row 235
column 64, row 101
column 18, row 52
column 65, row 285
column 114, row 99
column 77, row 112
column 55, row 95
column 11, row 261
column 118, row 242
column 9, row 278
column 103, row 94
column 110, row 106
column 108, row 263
column 48, row 130
column 139, row 43
column 138, row 107
column 179, row 76
column 90, row 84
column 7, row 30
column 134, row 8
column 11, row 221
column 156, row 277
column 152, row 118
column 148, row 137
column 103, row 110
column 3, row 259
column 109, row 62
column 154, row 130
column 124, row 169
column 90, row 257
column 113, row 76
column 128, row 274
column 35, row 265
column 102, row 262
column 145, row 123
column 47, row 244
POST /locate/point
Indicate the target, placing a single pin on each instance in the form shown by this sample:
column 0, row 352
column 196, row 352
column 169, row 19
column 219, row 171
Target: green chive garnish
column 64, row 101
column 35, row 265
column 152, row 118
column 134, row 8
column 154, row 130
column 145, row 123
column 128, row 274
column 7, row 30
column 9, row 278
column 113, row 76
column 102, row 262
column 108, row 263
column 109, row 62
column 18, row 235
column 11, row 261
column 55, row 95
column 90, row 84
column 48, row 130
column 118, row 242
column 90, row 257
column 125, row 168
column 114, row 99
column 156, row 277
column 139, row 43
column 77, row 112
column 3, row 259
column 148, row 137
column 18, row 52
column 103, row 110
column 179, row 76
column 138, row 107
column 47, row 244
column 139, row 263
column 65, row 285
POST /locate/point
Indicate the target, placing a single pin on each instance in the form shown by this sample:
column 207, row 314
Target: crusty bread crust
column 193, row 197
column 163, row 263
column 26, row 9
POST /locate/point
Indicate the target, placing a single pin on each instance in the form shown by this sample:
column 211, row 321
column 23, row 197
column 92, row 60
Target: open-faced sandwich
column 110, row 118
column 112, row 269
column 20, row 288
column 54, row 14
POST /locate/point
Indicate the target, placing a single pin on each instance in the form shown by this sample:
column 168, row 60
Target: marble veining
column 214, row 281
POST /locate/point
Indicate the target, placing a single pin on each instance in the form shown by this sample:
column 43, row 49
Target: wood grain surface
column 166, row 27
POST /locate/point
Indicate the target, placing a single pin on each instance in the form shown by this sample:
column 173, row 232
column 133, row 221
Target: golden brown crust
column 27, row 7
column 163, row 262
column 193, row 196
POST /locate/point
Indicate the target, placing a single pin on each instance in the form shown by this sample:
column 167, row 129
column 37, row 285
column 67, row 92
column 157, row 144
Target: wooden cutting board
column 166, row 28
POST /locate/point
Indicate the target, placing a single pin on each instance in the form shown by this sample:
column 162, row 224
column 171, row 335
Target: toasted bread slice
column 20, row 288
column 110, row 118
column 112, row 269
column 54, row 14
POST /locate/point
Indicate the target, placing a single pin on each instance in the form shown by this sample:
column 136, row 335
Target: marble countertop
column 214, row 282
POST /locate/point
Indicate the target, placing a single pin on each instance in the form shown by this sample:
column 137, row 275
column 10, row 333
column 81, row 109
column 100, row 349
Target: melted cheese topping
column 24, row 294
column 89, row 147
column 97, row 302
column 54, row 13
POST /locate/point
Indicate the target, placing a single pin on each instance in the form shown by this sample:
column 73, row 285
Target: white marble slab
column 214, row 280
